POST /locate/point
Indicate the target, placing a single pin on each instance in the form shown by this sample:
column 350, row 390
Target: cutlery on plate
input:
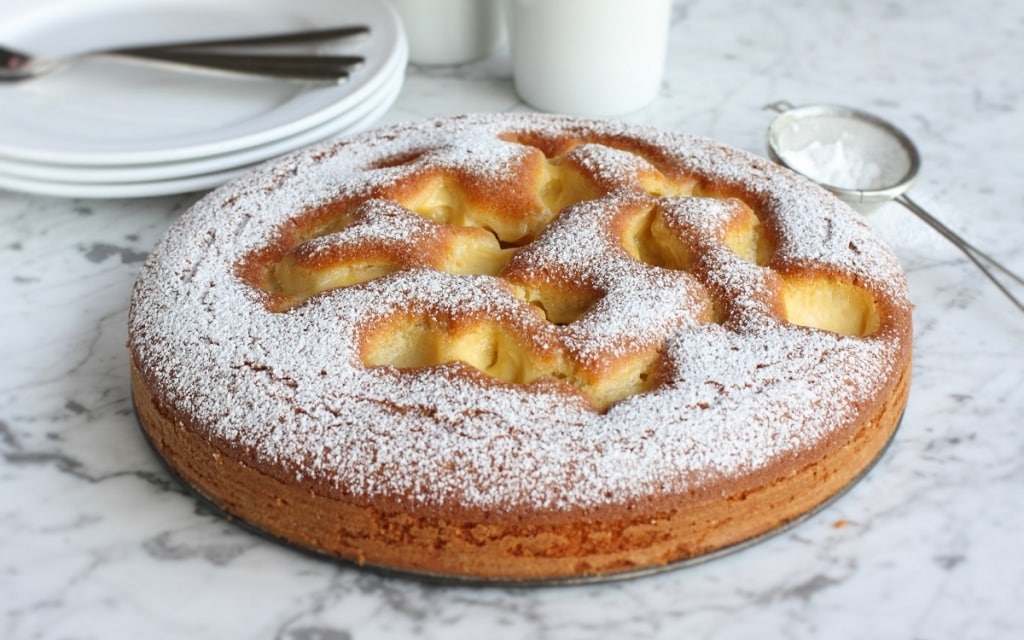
column 293, row 37
column 196, row 54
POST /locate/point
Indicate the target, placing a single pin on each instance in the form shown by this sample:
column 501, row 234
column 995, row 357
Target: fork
column 18, row 66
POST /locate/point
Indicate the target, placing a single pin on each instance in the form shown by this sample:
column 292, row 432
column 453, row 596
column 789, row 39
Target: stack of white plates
column 105, row 128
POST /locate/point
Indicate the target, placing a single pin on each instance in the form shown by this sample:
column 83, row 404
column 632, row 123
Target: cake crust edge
column 468, row 544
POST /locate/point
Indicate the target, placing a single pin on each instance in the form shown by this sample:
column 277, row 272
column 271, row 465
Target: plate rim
column 167, row 187
column 152, row 172
column 313, row 106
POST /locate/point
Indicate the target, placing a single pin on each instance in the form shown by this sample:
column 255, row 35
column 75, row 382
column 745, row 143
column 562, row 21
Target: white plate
column 181, row 184
column 46, row 172
column 105, row 112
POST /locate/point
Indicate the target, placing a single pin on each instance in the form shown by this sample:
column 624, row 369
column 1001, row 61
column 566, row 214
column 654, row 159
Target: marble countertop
column 97, row 541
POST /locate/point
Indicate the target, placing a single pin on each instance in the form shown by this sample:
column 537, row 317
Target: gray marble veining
column 97, row 541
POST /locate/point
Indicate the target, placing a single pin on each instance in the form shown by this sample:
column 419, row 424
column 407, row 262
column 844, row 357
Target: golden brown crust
column 470, row 544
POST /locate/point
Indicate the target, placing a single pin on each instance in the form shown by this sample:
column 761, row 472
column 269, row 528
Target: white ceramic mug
column 446, row 32
column 588, row 57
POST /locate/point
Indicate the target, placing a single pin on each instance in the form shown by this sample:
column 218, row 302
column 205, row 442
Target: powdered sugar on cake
column 288, row 389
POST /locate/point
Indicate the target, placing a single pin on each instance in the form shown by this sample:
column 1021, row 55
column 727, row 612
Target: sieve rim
column 789, row 115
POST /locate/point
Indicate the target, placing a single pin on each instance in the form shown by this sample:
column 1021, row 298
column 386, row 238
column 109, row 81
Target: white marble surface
column 96, row 541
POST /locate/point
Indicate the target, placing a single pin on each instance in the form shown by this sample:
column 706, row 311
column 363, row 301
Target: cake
column 519, row 348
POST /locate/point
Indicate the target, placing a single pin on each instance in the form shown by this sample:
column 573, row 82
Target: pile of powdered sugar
column 838, row 164
column 846, row 153
column 288, row 390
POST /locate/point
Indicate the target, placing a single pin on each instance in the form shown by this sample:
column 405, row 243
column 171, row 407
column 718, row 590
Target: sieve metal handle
column 980, row 259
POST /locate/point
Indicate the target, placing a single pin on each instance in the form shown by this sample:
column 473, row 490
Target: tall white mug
column 588, row 57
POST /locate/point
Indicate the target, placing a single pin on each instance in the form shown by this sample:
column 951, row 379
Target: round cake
column 519, row 347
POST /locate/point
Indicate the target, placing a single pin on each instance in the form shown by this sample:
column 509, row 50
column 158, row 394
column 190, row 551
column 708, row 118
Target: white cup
column 588, row 57
column 446, row 32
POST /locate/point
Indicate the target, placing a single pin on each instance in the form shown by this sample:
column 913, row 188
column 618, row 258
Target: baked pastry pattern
column 519, row 347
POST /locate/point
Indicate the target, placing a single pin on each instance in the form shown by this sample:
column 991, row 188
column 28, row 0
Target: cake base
column 871, row 450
